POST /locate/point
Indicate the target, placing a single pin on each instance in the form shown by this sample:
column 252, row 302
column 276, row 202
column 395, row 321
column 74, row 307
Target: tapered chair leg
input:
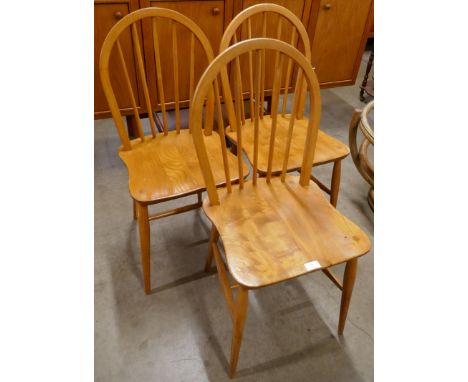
column 348, row 284
column 240, row 314
column 143, row 224
column 214, row 235
column 135, row 212
column 335, row 182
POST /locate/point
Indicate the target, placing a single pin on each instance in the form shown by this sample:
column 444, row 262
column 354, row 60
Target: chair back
column 259, row 21
column 255, row 48
column 165, row 25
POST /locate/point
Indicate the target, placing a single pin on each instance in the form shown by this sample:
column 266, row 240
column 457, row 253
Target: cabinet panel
column 105, row 16
column 338, row 39
column 209, row 16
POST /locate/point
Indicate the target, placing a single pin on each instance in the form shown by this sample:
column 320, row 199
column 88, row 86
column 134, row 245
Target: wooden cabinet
column 338, row 31
column 338, row 36
column 106, row 14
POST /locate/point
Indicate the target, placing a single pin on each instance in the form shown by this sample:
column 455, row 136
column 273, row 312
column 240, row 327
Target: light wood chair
column 161, row 166
column 253, row 22
column 273, row 228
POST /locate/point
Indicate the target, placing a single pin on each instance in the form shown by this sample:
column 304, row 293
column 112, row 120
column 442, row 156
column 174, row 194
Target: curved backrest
column 173, row 20
column 255, row 47
column 256, row 18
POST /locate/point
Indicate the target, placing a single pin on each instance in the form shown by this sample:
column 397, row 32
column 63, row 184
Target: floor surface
column 182, row 331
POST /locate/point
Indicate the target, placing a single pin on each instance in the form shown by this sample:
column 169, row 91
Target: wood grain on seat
column 165, row 167
column 328, row 149
column 270, row 231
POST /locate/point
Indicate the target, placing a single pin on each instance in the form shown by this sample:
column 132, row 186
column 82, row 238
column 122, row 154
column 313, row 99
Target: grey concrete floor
column 182, row 331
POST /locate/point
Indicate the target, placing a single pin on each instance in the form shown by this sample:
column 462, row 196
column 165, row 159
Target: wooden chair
column 248, row 23
column 161, row 166
column 273, row 228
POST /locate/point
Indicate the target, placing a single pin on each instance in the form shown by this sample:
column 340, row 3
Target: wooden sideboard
column 338, row 31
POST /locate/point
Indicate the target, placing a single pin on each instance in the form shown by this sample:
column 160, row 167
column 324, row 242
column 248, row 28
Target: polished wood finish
column 161, row 166
column 337, row 61
column 211, row 23
column 328, row 149
column 107, row 15
column 269, row 231
column 274, row 228
column 338, row 33
column 267, row 20
column 276, row 138
column 167, row 166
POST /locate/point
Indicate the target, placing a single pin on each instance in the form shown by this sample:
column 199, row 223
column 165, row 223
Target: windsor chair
column 162, row 165
column 253, row 22
column 272, row 228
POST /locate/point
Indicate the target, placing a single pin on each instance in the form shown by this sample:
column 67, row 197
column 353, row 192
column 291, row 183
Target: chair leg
column 143, row 223
column 348, row 284
column 214, row 235
column 238, row 327
column 335, row 182
column 135, row 212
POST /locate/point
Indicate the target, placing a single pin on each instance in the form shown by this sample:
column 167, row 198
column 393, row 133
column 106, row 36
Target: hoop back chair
column 163, row 165
column 272, row 228
column 329, row 149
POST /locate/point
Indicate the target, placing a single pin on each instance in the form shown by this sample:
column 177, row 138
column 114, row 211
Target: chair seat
column 166, row 167
column 277, row 231
column 328, row 149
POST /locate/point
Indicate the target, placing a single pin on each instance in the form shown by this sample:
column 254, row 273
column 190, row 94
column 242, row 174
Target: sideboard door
column 338, row 38
column 105, row 16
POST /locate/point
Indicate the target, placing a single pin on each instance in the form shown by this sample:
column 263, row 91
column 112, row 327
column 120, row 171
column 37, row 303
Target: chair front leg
column 335, row 182
column 135, row 212
column 144, row 227
column 348, row 284
column 240, row 314
column 214, row 235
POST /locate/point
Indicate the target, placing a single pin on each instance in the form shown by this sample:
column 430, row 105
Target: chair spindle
column 257, row 113
column 239, row 129
column 192, row 66
column 157, row 58
column 291, row 126
column 274, row 110
column 141, row 69
column 175, row 62
column 288, row 74
column 264, row 27
column 251, row 86
column 222, row 136
column 130, row 90
column 239, row 88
